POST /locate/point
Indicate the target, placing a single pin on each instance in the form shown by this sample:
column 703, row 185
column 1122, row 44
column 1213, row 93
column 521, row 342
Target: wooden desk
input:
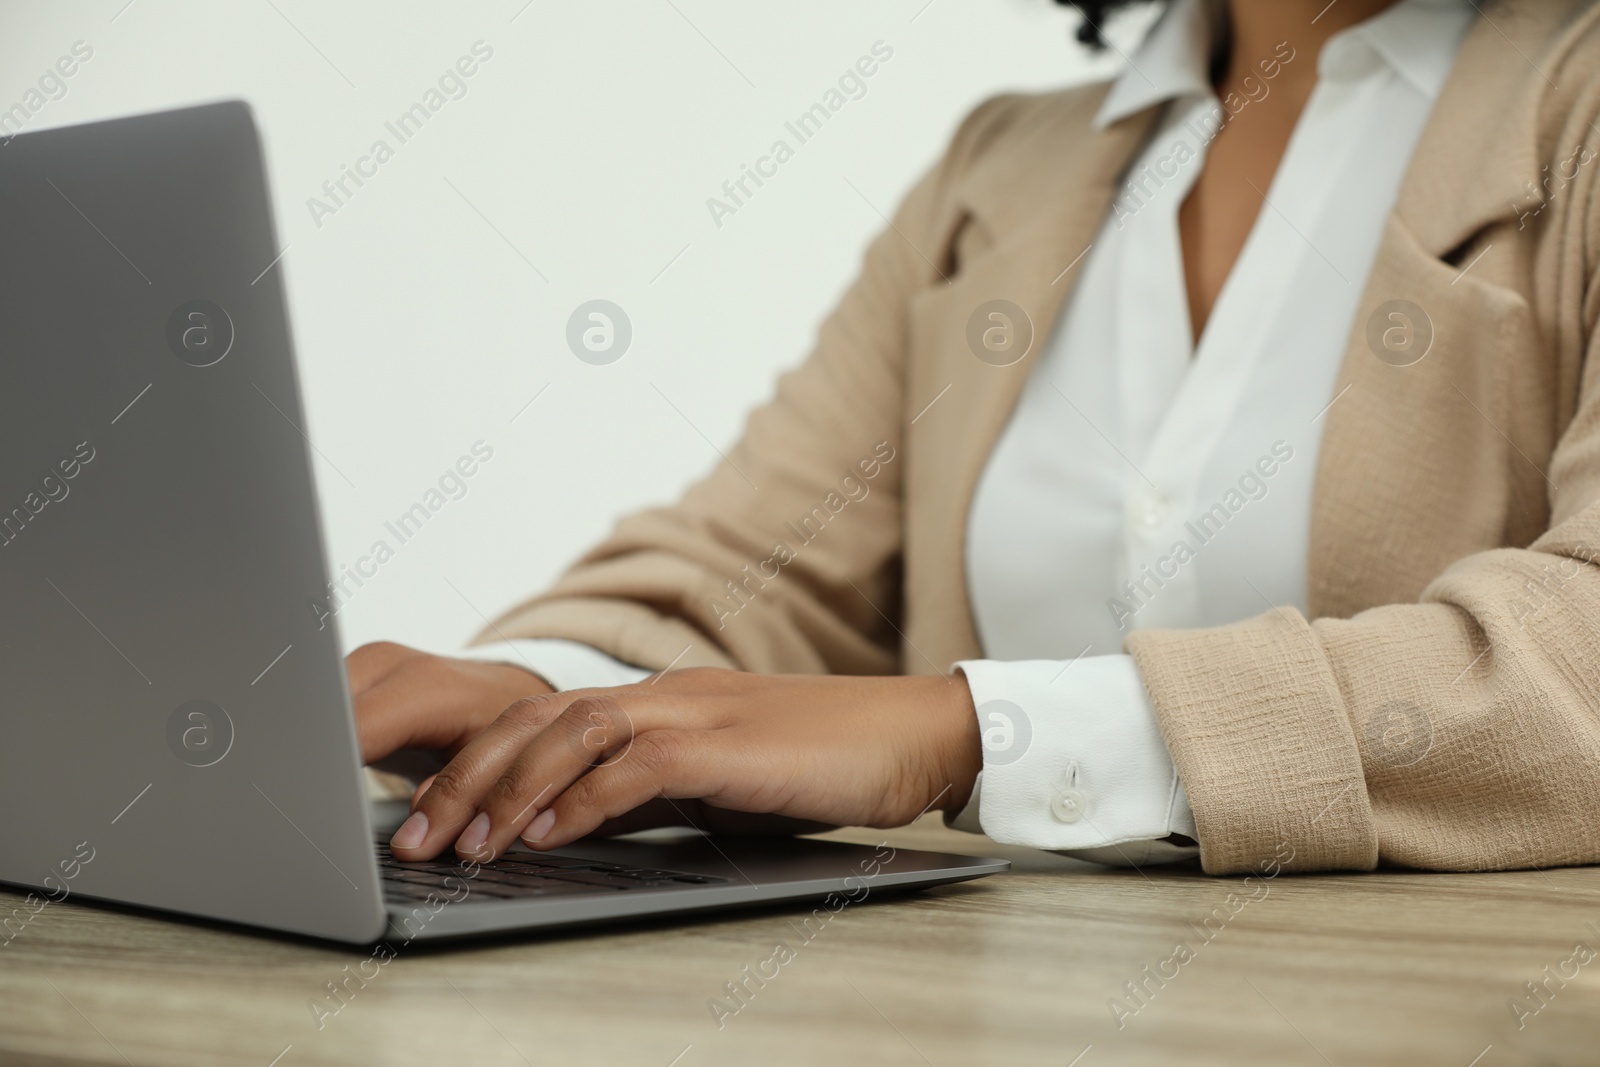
column 1013, row 969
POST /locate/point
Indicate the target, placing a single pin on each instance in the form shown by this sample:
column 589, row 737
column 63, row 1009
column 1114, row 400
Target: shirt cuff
column 564, row 664
column 1073, row 761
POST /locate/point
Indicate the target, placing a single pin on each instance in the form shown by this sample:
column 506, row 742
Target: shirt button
column 1069, row 805
column 1148, row 510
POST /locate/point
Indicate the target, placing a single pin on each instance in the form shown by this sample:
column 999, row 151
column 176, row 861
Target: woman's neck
column 1259, row 26
column 1276, row 81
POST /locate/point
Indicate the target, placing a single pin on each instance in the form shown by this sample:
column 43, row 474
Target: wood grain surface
column 1027, row 967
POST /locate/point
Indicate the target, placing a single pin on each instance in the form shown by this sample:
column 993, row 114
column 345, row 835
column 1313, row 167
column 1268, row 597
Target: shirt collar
column 1173, row 61
column 1417, row 39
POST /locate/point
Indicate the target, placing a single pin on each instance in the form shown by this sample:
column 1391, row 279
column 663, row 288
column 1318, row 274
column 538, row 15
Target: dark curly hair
column 1095, row 13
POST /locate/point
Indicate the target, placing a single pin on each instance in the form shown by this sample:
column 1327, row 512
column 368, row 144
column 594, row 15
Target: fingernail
column 411, row 832
column 472, row 838
column 540, row 826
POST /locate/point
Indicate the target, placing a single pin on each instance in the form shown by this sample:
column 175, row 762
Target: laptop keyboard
column 521, row 876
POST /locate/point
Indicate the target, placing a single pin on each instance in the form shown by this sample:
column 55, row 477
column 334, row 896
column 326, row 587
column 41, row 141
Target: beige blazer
column 1440, row 707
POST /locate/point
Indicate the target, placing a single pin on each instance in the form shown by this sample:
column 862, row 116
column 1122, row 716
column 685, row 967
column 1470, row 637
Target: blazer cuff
column 1257, row 725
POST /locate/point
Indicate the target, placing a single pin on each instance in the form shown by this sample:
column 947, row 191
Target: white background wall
column 590, row 143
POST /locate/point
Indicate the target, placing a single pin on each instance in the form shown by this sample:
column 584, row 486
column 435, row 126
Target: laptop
column 178, row 734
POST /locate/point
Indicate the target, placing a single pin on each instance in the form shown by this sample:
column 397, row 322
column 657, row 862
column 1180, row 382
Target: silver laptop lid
column 176, row 726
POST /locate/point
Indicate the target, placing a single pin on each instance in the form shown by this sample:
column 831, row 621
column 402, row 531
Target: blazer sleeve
column 1458, row 733
column 786, row 557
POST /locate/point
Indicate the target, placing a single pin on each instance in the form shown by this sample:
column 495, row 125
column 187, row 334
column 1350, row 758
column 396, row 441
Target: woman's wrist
column 961, row 741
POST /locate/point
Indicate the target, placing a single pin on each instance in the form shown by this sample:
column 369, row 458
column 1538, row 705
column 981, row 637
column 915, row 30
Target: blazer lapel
column 1423, row 459
column 1477, row 161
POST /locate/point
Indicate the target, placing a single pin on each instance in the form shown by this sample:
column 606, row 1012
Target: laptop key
column 530, row 873
column 562, row 862
column 596, row 878
column 529, row 878
column 501, row 891
column 436, row 868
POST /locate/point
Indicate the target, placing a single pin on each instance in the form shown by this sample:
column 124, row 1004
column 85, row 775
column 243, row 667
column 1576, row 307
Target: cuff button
column 1069, row 805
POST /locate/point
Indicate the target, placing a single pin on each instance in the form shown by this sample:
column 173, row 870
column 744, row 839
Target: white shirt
column 1145, row 481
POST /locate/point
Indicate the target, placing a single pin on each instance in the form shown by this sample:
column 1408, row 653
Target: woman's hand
column 410, row 699
column 699, row 742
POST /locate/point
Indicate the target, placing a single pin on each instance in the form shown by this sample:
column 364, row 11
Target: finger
column 422, row 787
column 411, row 707
column 370, row 663
column 591, row 729
column 662, row 763
column 432, row 702
column 451, row 802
